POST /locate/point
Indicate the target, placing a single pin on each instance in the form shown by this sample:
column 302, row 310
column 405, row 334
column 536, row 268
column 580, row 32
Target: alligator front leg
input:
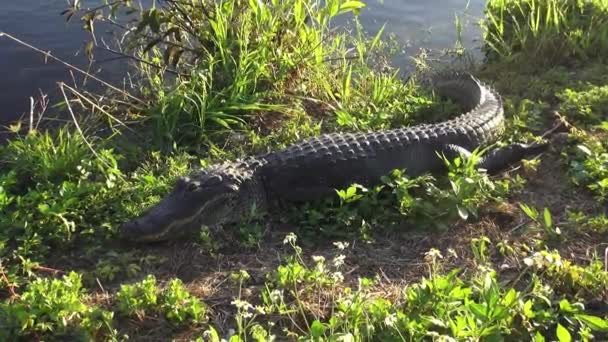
column 499, row 158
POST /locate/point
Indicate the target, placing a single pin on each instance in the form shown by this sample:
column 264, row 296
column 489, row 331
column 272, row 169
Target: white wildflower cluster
column 341, row 245
column 432, row 255
column 338, row 277
column 244, row 307
column 339, row 260
column 319, row 259
column 543, row 259
column 319, row 263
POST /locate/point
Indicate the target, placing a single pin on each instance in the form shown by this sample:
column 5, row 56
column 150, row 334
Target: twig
column 11, row 287
column 124, row 55
column 86, row 141
column 48, row 269
column 561, row 124
column 93, row 104
column 519, row 226
column 47, row 54
column 606, row 259
column 32, row 106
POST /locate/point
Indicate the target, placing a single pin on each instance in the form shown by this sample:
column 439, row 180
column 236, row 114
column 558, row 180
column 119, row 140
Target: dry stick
column 606, row 259
column 48, row 269
column 67, row 103
column 47, row 54
column 93, row 104
column 11, row 287
column 137, row 59
column 562, row 122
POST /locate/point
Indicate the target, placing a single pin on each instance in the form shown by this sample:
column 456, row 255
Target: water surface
column 24, row 73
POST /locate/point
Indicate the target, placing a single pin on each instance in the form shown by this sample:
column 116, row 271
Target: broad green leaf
column 562, row 334
column 594, row 322
column 480, row 311
column 530, row 211
column 317, row 329
column 539, row 337
column 547, row 217
column 351, row 6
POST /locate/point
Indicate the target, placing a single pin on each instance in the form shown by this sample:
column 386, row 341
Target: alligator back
column 315, row 167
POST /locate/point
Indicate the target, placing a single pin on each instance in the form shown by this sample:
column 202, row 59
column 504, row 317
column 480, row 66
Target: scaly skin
column 314, row 168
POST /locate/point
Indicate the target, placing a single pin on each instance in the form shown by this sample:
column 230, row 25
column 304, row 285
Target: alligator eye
column 213, row 180
column 193, row 186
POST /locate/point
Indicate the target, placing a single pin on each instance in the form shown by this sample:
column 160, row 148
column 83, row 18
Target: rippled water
column 23, row 72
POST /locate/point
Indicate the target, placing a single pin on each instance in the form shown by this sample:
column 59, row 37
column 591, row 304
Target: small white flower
column 452, row 252
column 290, row 238
column 433, row 253
column 242, row 305
column 318, row 258
column 341, row 245
column 337, row 277
column 339, row 260
column 390, row 320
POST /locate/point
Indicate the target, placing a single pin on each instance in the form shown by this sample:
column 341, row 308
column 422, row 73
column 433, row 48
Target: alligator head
column 209, row 197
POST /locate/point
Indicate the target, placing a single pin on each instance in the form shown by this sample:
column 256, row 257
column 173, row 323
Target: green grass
column 560, row 31
column 458, row 257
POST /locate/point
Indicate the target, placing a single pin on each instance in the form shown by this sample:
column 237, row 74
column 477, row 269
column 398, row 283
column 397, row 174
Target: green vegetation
column 458, row 257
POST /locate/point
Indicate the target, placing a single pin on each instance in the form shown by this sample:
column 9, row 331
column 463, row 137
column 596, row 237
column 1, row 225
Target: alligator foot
column 502, row 157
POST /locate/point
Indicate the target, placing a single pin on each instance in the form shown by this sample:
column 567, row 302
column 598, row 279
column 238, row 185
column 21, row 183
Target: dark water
column 24, row 73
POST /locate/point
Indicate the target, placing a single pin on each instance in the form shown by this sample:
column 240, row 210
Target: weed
column 136, row 299
column 53, row 307
column 180, row 306
column 174, row 302
column 586, row 106
column 588, row 165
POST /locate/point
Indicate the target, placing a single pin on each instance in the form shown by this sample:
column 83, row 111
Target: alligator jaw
column 161, row 222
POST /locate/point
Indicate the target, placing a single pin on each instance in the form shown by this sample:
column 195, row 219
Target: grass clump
column 546, row 31
column 232, row 59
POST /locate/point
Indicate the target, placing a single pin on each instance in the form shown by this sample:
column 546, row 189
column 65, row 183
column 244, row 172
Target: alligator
column 313, row 169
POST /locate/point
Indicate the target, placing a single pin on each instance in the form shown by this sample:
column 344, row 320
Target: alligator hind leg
column 500, row 158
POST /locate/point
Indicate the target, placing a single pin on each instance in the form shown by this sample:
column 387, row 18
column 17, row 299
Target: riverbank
column 519, row 256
